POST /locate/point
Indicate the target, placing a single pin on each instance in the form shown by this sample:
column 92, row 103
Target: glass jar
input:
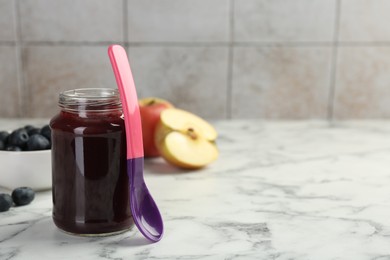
column 90, row 183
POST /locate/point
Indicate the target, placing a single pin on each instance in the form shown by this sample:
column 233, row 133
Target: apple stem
column 191, row 133
column 151, row 102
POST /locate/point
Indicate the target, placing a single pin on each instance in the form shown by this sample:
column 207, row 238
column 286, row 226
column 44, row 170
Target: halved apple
column 150, row 110
column 185, row 139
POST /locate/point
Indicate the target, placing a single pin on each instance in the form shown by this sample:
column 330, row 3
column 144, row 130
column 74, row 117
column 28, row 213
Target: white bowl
column 26, row 168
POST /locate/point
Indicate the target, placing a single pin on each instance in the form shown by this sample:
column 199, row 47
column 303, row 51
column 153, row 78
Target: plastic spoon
column 145, row 212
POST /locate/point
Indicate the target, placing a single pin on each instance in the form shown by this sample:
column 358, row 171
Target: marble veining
column 280, row 190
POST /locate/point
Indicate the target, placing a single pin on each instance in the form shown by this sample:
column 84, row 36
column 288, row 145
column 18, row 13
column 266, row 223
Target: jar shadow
column 120, row 240
column 133, row 242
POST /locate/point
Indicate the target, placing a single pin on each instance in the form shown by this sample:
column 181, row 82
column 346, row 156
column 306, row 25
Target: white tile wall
column 364, row 21
column 363, row 83
column 277, row 59
column 7, row 20
column 52, row 69
column 71, row 20
column 284, row 21
column 178, row 20
column 9, row 85
column 281, row 82
column 192, row 78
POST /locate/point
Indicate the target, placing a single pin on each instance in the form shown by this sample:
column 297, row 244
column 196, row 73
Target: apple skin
column 150, row 110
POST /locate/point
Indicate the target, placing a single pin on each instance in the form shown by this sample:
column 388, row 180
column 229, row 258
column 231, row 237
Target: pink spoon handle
column 125, row 81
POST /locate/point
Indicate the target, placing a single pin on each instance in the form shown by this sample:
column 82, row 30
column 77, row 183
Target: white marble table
column 280, row 190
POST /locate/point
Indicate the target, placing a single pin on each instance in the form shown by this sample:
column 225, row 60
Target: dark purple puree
column 90, row 182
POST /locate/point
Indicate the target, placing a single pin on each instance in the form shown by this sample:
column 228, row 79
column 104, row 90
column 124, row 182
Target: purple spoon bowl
column 144, row 209
column 145, row 212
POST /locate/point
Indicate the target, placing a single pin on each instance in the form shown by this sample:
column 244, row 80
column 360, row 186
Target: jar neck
column 92, row 114
column 92, row 102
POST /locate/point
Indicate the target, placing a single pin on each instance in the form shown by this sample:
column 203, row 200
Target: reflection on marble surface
column 280, row 190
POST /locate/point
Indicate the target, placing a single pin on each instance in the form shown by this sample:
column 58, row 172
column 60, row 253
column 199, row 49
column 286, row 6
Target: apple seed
column 191, row 133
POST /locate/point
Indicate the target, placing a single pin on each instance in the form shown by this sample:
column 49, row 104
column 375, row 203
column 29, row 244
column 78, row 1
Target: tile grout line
column 229, row 90
column 202, row 44
column 190, row 44
column 334, row 58
column 23, row 91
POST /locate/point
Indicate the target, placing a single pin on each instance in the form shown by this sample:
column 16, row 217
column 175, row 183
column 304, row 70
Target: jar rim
column 97, row 99
column 90, row 93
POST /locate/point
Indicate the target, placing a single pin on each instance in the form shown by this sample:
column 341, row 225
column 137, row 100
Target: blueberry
column 5, row 202
column 33, row 131
column 13, row 148
column 46, row 132
column 2, row 145
column 4, row 136
column 23, row 196
column 37, row 142
column 28, row 127
column 18, row 138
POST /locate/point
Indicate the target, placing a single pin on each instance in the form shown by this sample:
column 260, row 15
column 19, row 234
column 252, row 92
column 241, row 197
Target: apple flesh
column 185, row 140
column 150, row 110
